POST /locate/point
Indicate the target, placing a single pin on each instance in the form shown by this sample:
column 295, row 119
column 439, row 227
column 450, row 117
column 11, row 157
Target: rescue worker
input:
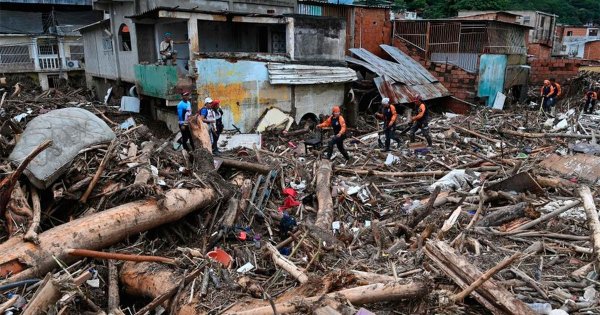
column 208, row 117
column 590, row 98
column 555, row 94
column 218, row 118
column 184, row 111
column 337, row 122
column 420, row 121
column 546, row 91
column 388, row 116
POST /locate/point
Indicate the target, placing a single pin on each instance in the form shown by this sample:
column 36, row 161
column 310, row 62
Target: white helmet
column 385, row 101
column 207, row 100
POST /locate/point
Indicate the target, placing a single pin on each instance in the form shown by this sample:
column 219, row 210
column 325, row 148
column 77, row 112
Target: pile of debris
column 498, row 216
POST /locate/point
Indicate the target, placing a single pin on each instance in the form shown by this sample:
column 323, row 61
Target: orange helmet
column 546, row 82
column 336, row 109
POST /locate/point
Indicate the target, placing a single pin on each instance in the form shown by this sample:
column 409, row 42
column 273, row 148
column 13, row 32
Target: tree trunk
column 147, row 279
column 200, row 134
column 592, row 221
column 372, row 293
column 504, row 214
column 246, row 166
column 325, row 211
column 97, row 231
column 287, row 265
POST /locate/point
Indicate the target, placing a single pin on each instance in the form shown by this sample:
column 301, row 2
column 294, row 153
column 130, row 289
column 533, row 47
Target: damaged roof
column 297, row 74
column 399, row 80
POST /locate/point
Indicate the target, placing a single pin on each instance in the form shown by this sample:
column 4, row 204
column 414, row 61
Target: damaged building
column 251, row 57
column 475, row 59
column 39, row 39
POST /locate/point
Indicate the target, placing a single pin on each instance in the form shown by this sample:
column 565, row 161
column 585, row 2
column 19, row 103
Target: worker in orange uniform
column 555, row 94
column 590, row 99
column 388, row 116
column 546, row 92
column 337, row 122
column 420, row 121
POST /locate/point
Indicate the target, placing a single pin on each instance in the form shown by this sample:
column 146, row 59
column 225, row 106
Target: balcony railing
column 51, row 62
column 28, row 58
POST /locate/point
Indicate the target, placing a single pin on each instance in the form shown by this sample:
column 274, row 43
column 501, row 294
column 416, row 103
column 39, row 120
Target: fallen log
column 592, row 221
column 246, row 166
column 287, row 265
column 491, row 295
column 31, row 235
column 545, row 217
column 373, row 293
column 410, row 174
column 113, row 289
column 323, row 190
column 476, row 134
column 117, row 256
column 49, row 293
column 420, row 216
column 23, row 260
column 503, row 215
column 544, row 135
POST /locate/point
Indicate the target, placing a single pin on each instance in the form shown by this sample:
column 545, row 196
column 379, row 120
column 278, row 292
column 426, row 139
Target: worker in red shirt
column 420, row 121
column 546, row 92
column 590, row 99
column 337, row 122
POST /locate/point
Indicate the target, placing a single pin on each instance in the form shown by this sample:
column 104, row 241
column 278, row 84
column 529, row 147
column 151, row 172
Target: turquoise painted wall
column 492, row 70
column 157, row 81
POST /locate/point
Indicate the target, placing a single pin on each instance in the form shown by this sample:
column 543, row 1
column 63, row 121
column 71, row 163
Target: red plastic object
column 220, row 256
column 290, row 192
column 242, row 236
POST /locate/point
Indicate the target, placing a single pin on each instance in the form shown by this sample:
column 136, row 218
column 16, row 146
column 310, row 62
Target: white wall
column 98, row 62
column 127, row 59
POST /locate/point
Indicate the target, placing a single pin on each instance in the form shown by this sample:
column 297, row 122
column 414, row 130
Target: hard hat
column 186, row 93
column 208, row 100
column 336, row 109
column 546, row 82
column 385, row 101
column 216, row 102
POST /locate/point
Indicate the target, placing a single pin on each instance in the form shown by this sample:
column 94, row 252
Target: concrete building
column 474, row 58
column 250, row 55
column 38, row 38
column 541, row 37
column 577, row 41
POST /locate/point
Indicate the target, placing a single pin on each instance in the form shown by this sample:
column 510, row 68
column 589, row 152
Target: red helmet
column 216, row 103
column 416, row 98
column 336, row 109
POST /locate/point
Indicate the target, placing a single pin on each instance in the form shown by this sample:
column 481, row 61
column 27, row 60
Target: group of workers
column 551, row 90
column 211, row 114
column 388, row 115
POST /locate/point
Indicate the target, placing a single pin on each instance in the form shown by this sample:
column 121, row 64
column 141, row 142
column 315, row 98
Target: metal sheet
column 411, row 64
column 305, row 74
column 491, row 76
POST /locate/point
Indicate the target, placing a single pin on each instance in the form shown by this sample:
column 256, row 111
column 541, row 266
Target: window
column 593, row 32
column 570, row 33
column 76, row 52
column 14, row 54
column 48, row 49
column 542, row 21
column 124, row 38
column 526, row 19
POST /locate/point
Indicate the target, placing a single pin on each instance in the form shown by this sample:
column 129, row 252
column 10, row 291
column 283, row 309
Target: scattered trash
column 128, row 123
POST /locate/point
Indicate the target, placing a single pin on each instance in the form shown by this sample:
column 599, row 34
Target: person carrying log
column 337, row 122
column 546, row 93
column 388, row 115
column 590, row 99
column 184, row 111
column 207, row 115
column 420, row 121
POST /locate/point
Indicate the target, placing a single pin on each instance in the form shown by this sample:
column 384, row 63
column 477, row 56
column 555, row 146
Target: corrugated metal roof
column 305, row 74
column 402, row 79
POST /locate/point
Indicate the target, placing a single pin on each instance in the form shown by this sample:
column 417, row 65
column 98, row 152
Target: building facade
column 39, row 38
column 252, row 56
column 577, row 41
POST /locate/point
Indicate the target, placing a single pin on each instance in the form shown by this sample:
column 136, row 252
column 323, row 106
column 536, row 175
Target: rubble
column 497, row 217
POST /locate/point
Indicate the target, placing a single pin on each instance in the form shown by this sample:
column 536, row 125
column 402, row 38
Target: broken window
column 124, row 38
column 593, row 32
column 242, row 37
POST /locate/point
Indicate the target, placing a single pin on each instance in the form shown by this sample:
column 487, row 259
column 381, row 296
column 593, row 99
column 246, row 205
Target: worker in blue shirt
column 184, row 111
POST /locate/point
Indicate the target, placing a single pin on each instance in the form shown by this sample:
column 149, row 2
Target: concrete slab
column 71, row 130
column 243, row 140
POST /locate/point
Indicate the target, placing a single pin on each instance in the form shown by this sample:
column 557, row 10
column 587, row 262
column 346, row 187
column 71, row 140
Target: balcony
column 64, row 56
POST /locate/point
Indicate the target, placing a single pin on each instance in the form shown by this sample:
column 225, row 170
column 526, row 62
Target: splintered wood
column 499, row 216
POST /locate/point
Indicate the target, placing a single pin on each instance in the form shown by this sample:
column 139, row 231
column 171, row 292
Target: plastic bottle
column 540, row 308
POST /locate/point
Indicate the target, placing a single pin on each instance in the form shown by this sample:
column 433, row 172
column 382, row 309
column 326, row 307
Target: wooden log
column 18, row 211
column 246, row 166
column 373, row 293
column 245, row 192
column 409, row 174
column 231, row 213
column 200, row 133
column 543, row 135
column 144, row 172
column 546, row 217
column 8, row 304
column 592, row 221
column 286, row 265
column 97, row 231
column 323, row 190
column 113, row 288
column 476, row 134
column 118, row 256
column 147, row 279
column 492, row 296
column 49, row 293
column 499, row 216
column 421, row 215
column 31, row 235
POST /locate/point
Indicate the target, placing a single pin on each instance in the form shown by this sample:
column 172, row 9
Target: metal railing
column 50, row 62
column 15, row 57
